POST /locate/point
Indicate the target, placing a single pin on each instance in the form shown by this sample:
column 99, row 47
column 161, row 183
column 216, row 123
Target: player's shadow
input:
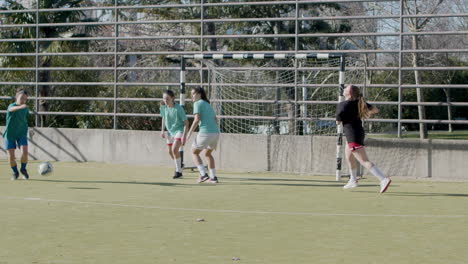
column 278, row 179
column 117, row 182
column 302, row 184
column 428, row 194
column 287, row 182
column 84, row 188
column 422, row 194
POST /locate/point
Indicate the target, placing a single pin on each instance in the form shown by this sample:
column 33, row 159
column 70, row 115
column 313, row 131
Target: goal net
column 287, row 97
column 278, row 94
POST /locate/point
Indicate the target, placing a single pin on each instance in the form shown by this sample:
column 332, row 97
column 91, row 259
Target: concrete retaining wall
column 438, row 159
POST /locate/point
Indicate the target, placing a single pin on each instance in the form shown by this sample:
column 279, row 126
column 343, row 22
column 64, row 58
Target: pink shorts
column 354, row 146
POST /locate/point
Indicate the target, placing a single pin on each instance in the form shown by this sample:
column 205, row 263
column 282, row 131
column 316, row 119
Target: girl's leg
column 169, row 150
column 176, row 155
column 209, row 158
column 24, row 156
column 199, row 163
column 12, row 158
column 211, row 164
column 352, row 164
column 361, row 156
column 13, row 165
column 24, row 161
column 175, row 149
column 196, row 157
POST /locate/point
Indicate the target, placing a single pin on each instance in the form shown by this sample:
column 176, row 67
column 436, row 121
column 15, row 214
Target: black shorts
column 354, row 135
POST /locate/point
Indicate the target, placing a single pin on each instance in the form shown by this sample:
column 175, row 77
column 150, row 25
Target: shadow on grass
column 294, row 184
column 229, row 181
column 278, row 182
column 416, row 194
column 278, row 179
column 429, row 194
column 117, row 182
column 83, row 188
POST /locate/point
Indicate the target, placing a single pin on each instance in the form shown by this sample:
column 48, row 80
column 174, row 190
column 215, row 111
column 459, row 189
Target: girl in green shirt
column 208, row 134
column 175, row 120
column 16, row 133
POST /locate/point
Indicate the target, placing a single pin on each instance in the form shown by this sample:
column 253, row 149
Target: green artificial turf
column 103, row 213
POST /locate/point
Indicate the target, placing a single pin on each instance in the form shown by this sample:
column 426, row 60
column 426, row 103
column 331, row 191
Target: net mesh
column 287, row 97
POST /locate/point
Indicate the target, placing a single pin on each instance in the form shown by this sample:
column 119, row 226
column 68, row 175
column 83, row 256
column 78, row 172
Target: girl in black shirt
column 349, row 114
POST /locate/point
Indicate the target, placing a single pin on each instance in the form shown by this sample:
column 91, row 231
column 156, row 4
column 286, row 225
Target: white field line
column 230, row 211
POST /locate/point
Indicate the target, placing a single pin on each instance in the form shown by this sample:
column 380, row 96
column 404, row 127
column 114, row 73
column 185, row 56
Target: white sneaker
column 351, row 184
column 384, row 184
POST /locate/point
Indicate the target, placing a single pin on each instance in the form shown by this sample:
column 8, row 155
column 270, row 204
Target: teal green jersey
column 174, row 118
column 207, row 117
column 16, row 124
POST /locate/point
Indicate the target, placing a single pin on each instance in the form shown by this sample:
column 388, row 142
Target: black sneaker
column 25, row 174
column 203, row 178
column 177, row 175
column 214, row 180
column 14, row 176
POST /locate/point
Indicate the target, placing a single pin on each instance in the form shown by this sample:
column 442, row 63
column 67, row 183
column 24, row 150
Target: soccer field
column 103, row 213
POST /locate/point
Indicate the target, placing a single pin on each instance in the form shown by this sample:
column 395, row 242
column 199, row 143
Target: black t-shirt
column 348, row 113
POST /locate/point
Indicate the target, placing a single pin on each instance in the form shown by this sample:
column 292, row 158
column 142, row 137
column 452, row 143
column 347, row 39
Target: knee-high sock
column 353, row 174
column 201, row 169
column 377, row 173
column 178, row 164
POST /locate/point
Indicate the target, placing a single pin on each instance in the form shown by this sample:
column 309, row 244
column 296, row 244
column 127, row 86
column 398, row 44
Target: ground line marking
column 229, row 211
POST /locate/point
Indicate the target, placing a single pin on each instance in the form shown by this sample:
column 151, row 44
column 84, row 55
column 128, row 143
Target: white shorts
column 170, row 139
column 206, row 141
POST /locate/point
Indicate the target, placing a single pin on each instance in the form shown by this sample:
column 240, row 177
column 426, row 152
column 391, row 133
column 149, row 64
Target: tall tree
column 418, row 24
column 46, row 32
column 276, row 27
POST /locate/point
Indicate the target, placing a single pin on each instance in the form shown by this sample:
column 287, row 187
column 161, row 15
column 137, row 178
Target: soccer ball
column 45, row 168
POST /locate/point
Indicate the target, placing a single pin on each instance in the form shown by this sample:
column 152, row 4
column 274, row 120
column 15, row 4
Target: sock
column 201, row 169
column 353, row 174
column 377, row 173
column 15, row 169
column 178, row 164
column 23, row 166
column 212, row 173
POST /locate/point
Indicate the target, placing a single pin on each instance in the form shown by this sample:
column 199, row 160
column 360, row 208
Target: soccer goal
column 276, row 94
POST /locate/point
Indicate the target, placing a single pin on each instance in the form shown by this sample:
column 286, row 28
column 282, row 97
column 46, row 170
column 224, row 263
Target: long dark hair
column 199, row 90
column 356, row 94
column 21, row 91
column 170, row 93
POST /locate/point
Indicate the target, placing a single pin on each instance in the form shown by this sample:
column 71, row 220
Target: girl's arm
column 16, row 108
column 196, row 120
column 186, row 128
column 163, row 134
column 373, row 110
column 339, row 113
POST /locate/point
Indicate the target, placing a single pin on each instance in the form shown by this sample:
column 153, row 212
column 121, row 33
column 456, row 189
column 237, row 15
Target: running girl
column 349, row 113
column 208, row 134
column 176, row 123
column 16, row 133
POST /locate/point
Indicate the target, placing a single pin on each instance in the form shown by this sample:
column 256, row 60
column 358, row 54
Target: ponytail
column 362, row 105
column 363, row 109
column 202, row 93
